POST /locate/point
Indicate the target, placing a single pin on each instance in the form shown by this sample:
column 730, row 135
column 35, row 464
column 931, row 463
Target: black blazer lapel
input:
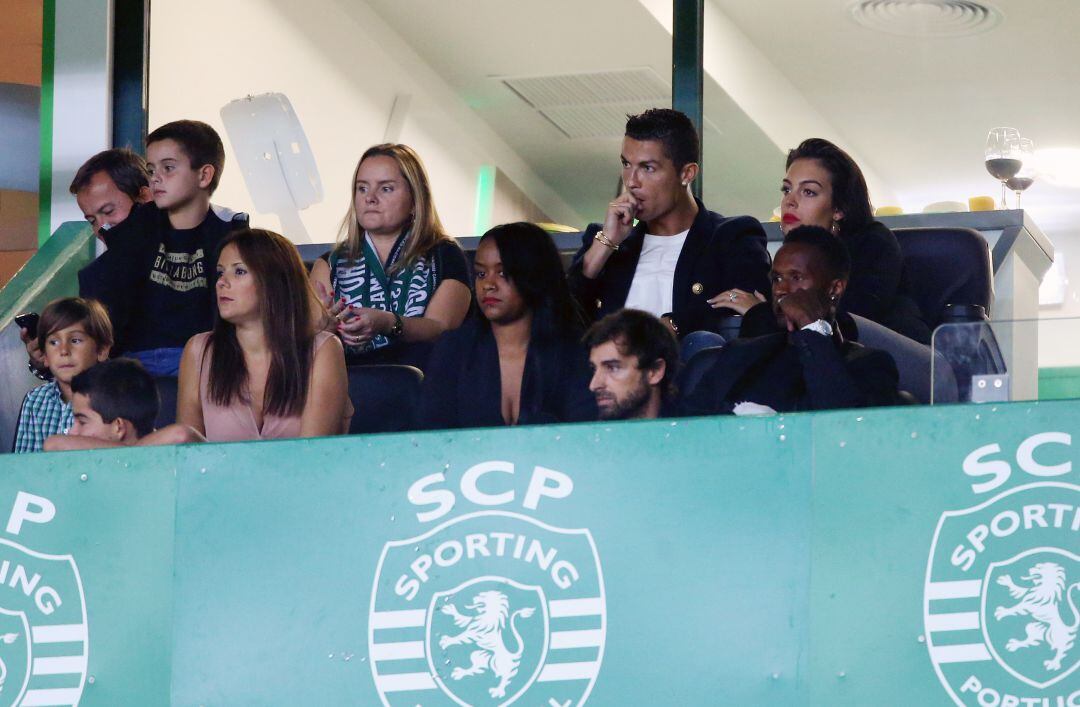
column 696, row 241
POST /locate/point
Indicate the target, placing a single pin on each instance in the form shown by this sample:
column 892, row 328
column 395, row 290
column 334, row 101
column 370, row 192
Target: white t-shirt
column 654, row 278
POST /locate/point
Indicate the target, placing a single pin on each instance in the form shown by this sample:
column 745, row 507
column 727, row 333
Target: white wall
column 342, row 68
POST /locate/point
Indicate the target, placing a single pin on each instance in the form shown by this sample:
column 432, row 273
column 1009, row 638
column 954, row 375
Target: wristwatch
column 399, row 327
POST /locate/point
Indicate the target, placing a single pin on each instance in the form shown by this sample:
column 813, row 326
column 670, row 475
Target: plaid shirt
column 44, row 413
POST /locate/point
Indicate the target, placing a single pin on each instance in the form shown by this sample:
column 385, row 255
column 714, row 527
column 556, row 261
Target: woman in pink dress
column 266, row 371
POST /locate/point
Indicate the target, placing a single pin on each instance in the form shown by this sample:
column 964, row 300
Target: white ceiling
column 915, row 111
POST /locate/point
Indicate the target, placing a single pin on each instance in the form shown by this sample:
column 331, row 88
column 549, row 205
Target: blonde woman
column 396, row 280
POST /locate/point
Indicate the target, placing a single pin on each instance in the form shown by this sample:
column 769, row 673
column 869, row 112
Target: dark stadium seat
column 922, row 371
column 944, row 266
column 696, row 367
column 945, row 270
column 166, row 387
column 383, row 396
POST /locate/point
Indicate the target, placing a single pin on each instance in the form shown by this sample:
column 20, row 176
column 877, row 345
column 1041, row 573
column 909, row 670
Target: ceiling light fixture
column 926, row 18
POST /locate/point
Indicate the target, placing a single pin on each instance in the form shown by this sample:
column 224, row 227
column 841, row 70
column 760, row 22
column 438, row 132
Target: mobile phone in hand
column 28, row 321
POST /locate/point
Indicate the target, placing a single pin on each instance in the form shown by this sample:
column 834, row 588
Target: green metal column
column 687, row 74
column 48, row 66
column 131, row 65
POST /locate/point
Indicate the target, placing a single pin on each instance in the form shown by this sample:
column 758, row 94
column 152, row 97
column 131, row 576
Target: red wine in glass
column 1003, row 157
column 1003, row 168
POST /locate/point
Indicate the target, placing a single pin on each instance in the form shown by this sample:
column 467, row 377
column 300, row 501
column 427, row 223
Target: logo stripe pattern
column 573, row 639
column 966, row 592
column 397, row 650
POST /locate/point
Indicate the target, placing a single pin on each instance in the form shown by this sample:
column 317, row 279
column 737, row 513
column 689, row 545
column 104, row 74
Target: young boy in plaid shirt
column 74, row 334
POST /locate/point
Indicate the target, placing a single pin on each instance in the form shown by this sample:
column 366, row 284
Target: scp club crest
column 1001, row 598
column 43, row 636
column 490, row 608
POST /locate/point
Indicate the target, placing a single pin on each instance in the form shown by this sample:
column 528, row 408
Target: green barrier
column 918, row 556
column 51, row 272
column 1059, row 383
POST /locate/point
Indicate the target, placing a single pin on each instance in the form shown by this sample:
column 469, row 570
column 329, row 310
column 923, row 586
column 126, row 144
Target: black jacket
column 155, row 281
column 800, row 371
column 719, row 253
column 463, row 385
column 873, row 290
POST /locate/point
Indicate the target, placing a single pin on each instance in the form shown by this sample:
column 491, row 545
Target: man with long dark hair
column 659, row 249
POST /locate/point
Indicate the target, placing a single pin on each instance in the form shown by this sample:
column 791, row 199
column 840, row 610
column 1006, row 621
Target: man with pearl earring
column 659, row 249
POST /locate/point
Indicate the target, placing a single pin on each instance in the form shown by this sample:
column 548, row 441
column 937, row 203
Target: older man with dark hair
column 108, row 185
column 634, row 359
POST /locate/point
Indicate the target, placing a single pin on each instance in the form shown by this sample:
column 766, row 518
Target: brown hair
column 199, row 142
column 425, row 230
column 288, row 324
column 126, row 169
column 849, row 192
column 69, row 311
column 643, row 336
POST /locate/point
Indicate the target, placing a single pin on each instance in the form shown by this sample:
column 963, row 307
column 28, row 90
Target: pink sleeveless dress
column 236, row 421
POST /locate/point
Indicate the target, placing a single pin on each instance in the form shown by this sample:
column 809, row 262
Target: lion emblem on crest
column 485, row 630
column 1041, row 602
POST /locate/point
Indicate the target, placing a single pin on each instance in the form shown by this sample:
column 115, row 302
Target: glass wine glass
column 1003, row 156
column 1026, row 175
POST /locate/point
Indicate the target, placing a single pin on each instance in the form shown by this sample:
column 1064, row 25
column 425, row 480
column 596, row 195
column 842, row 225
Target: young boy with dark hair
column 74, row 334
column 115, row 402
column 155, row 277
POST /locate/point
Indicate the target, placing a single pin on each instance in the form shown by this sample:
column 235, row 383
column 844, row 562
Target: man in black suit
column 679, row 254
column 807, row 365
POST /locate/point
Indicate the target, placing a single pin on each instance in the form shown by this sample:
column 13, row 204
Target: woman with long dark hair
column 264, row 371
column 396, row 280
column 823, row 186
column 519, row 360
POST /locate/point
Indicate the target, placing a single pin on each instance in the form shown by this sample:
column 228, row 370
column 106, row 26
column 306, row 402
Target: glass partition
column 999, row 361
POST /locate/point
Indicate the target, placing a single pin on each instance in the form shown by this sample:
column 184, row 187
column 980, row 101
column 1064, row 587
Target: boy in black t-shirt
column 156, row 276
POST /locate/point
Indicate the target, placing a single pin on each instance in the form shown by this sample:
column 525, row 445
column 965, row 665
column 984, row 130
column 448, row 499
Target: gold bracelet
column 604, row 240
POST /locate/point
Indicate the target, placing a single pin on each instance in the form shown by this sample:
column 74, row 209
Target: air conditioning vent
column 595, row 104
column 926, row 18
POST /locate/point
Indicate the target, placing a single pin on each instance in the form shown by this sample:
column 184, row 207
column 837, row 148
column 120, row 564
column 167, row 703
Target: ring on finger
column 733, row 296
